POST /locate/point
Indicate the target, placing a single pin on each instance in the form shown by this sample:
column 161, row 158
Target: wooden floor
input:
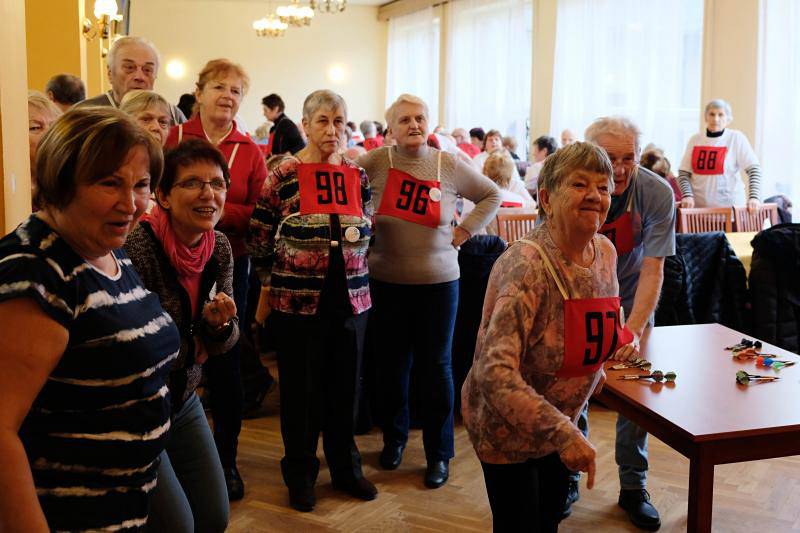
column 755, row 497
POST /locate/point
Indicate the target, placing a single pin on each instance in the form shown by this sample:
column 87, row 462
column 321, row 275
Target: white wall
column 196, row 31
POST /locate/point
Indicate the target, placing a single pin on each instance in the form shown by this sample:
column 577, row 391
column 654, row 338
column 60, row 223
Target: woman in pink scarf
column 181, row 258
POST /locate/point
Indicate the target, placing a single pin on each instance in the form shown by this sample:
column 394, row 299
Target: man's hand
column 579, row 456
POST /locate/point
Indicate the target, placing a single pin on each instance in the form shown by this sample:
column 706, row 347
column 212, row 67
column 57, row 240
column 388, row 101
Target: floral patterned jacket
column 514, row 406
column 290, row 251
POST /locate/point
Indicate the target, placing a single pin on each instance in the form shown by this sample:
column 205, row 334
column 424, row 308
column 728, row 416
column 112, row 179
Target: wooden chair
column 704, row 219
column 514, row 223
column 743, row 220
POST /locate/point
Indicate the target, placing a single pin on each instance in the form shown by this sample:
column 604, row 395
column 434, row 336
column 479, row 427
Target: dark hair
column 66, row 89
column 186, row 104
column 478, row 133
column 187, row 153
column 379, row 127
column 273, row 100
column 546, row 142
column 86, row 145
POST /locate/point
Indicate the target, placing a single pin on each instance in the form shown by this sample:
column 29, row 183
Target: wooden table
column 705, row 415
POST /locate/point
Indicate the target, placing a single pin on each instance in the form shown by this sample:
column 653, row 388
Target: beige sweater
column 408, row 253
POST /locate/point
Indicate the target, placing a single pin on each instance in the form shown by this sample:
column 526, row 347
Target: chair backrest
column 744, row 220
column 704, row 219
column 514, row 223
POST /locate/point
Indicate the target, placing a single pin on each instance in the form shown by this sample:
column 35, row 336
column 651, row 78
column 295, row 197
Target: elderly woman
column 414, row 275
column 550, row 319
column 493, row 142
column 41, row 115
column 190, row 267
column 150, row 110
column 220, row 88
column 709, row 171
column 309, row 238
column 85, row 409
column 499, row 168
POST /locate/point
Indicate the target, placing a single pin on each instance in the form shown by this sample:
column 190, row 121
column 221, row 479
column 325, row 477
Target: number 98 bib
column 329, row 189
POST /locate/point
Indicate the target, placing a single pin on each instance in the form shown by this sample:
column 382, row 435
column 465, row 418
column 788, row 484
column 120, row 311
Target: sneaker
column 573, row 495
column 641, row 512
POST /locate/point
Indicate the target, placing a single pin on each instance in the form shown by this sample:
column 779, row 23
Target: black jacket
column 775, row 286
column 704, row 282
column 287, row 136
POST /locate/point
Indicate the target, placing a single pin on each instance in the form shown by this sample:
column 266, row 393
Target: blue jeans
column 414, row 325
column 630, row 451
column 191, row 494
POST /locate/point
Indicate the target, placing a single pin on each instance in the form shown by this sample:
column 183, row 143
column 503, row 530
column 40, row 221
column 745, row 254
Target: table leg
column 701, row 494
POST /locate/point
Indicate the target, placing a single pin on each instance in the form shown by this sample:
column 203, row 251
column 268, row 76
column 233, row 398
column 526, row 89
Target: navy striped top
column 94, row 432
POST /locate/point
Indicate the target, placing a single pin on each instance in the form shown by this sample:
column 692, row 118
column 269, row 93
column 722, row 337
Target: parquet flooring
column 760, row 496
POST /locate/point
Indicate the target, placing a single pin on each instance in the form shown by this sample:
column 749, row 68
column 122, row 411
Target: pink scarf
column 188, row 262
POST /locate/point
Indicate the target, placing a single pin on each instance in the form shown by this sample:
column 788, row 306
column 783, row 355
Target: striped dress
column 95, row 431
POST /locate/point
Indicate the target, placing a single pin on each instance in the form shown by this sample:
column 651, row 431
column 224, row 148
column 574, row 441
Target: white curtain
column 489, row 66
column 641, row 59
column 778, row 112
column 413, row 59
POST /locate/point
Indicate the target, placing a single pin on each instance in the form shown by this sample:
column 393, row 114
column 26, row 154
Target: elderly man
column 132, row 64
column 65, row 90
column 371, row 138
column 641, row 224
column 567, row 137
column 463, row 141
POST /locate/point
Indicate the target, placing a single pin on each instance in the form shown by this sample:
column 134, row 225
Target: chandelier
column 270, row 26
column 295, row 15
column 328, row 6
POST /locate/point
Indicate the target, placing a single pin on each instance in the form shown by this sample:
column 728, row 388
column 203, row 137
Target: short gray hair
column 367, row 127
column 579, row 155
column 616, row 126
column 719, row 103
column 391, row 113
column 322, row 98
column 139, row 100
column 130, row 40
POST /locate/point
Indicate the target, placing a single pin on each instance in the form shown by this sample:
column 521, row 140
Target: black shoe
column 391, row 456
column 572, row 496
column 436, row 474
column 360, row 488
column 641, row 512
column 302, row 499
column 234, row 483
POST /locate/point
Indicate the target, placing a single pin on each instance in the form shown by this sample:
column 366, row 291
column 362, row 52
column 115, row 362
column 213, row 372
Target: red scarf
column 188, row 262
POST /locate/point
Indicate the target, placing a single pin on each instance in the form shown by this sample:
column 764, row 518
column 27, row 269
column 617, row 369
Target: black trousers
column 319, row 360
column 527, row 496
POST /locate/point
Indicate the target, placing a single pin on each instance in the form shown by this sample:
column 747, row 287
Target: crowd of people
column 157, row 227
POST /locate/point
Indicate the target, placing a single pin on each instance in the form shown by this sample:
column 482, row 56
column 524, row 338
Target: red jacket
column 248, row 173
column 470, row 149
column 374, row 142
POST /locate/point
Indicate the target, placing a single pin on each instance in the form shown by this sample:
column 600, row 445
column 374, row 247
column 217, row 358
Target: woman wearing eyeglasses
column 189, row 266
column 221, row 86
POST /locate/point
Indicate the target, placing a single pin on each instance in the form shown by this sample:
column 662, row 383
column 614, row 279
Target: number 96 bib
column 411, row 199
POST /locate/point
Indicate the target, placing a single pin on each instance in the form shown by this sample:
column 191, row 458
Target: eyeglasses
column 192, row 184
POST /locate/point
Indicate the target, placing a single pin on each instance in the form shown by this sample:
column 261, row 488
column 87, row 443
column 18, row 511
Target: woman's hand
column 219, row 311
column 200, row 352
column 687, row 202
column 579, row 457
column 602, row 381
column 627, row 352
column 753, row 205
column 263, row 309
column 460, row 236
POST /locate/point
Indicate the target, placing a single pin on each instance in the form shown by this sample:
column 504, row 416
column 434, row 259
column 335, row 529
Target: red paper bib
column 620, row 232
column 408, row 198
column 329, row 189
column 709, row 160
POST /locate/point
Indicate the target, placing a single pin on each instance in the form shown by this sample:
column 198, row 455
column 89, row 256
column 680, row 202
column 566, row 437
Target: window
column 488, row 78
column 633, row 58
column 413, row 59
column 778, row 112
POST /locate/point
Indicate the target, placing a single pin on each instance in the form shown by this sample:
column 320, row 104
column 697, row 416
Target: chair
column 704, row 219
column 514, row 223
column 744, row 220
